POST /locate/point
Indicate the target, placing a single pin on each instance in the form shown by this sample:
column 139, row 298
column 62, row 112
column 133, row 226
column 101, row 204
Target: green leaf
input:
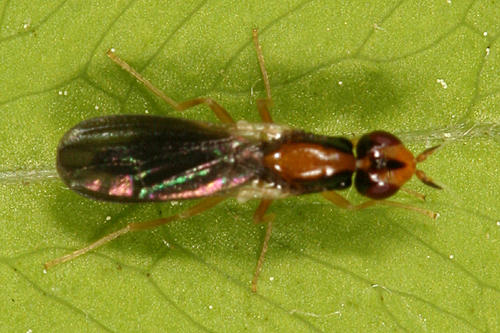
column 428, row 71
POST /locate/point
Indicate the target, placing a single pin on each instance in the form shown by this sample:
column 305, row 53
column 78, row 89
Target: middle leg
column 259, row 217
column 263, row 105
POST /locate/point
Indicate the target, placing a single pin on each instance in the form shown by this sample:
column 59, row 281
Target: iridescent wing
column 149, row 158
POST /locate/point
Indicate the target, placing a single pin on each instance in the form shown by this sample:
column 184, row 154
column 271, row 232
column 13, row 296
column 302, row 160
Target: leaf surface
column 428, row 71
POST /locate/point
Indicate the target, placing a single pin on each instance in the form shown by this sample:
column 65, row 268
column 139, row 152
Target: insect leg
column 259, row 217
column 263, row 105
column 342, row 202
column 414, row 193
column 219, row 111
column 200, row 207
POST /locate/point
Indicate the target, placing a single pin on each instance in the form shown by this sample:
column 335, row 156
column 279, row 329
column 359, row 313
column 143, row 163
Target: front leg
column 342, row 202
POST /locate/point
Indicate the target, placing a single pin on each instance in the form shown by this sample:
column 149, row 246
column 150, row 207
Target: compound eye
column 372, row 143
column 373, row 185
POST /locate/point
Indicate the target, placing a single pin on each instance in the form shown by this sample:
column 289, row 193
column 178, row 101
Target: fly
column 144, row 158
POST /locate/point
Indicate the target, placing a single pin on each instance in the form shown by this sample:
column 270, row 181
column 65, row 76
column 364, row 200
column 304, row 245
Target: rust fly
column 144, row 158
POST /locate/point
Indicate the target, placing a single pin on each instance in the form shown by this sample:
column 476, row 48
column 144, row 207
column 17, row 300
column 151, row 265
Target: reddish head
column 383, row 165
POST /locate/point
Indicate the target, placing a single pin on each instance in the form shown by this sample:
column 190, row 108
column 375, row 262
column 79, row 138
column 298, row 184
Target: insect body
column 131, row 158
column 150, row 158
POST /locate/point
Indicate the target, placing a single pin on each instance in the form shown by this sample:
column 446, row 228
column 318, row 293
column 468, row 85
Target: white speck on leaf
column 443, row 83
